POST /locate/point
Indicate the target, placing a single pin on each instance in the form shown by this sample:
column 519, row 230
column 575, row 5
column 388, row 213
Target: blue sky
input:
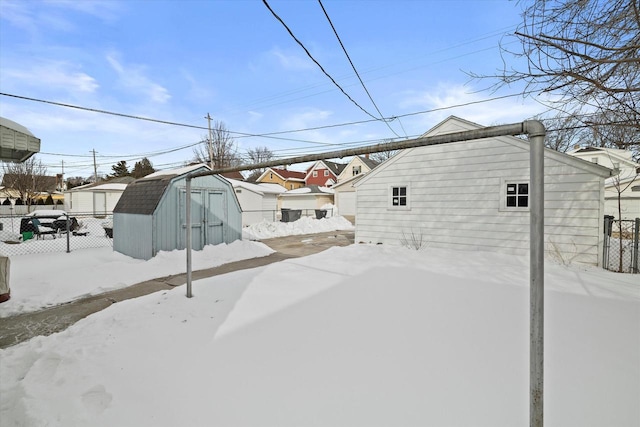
column 176, row 61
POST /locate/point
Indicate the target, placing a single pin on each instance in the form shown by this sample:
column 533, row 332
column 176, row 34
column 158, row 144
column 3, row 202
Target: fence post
column 608, row 226
column 68, row 232
column 636, row 237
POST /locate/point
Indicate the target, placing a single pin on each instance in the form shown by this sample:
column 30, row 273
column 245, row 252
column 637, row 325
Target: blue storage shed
column 151, row 214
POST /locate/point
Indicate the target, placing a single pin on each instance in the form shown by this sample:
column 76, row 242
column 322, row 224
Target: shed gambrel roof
column 143, row 195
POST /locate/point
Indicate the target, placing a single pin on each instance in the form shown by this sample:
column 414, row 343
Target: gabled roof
column 143, row 195
column 350, row 181
column 285, row 174
column 257, row 188
column 624, row 156
column 335, row 168
column 369, row 162
column 310, row 189
column 456, row 124
column 234, row 175
column 116, row 184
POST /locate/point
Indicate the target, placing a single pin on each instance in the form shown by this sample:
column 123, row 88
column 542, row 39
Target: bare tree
column 605, row 134
column 258, row 155
column 27, row 178
column 584, row 52
column 382, row 155
column 219, row 150
column 563, row 132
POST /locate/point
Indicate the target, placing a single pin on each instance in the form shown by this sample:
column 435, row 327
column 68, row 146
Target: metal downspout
column 536, row 133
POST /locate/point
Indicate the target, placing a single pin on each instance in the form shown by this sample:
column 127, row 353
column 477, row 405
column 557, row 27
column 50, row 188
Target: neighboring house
column 237, row 175
column 626, row 184
column 474, row 195
column 286, row 178
column 357, row 166
column 95, row 199
column 323, row 173
column 151, row 214
column 17, row 143
column 258, row 201
column 306, row 198
column 345, row 196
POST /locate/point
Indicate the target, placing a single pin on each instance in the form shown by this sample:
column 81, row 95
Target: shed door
column 99, row 203
column 215, row 218
column 197, row 217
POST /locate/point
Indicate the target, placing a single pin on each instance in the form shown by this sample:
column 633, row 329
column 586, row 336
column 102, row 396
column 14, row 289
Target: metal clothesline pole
column 535, row 131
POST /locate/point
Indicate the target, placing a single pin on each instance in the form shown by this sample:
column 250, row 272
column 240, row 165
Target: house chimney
column 366, row 156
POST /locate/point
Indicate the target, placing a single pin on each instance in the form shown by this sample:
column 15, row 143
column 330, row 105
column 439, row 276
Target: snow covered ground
column 355, row 336
column 45, row 280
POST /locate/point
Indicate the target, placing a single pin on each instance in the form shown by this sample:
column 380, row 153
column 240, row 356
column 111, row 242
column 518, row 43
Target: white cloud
column 32, row 16
column 197, row 91
column 132, row 77
column 480, row 107
column 306, row 119
column 291, row 61
column 51, row 75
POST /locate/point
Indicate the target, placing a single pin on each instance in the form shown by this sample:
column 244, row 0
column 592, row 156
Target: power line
column 316, row 62
column 94, row 110
column 354, row 68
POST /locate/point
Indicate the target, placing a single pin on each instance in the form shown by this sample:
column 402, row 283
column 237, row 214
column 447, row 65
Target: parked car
column 53, row 219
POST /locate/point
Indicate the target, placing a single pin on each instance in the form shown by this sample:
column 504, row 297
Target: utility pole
column 62, row 177
column 95, row 167
column 210, row 142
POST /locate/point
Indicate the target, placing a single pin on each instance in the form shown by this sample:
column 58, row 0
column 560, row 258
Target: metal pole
column 636, row 237
column 536, row 132
column 210, row 144
column 68, row 232
column 188, row 231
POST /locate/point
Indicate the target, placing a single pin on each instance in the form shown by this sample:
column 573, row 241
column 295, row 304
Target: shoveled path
column 16, row 329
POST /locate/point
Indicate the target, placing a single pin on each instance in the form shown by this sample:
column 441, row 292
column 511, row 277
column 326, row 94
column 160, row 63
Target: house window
column 271, row 176
column 326, row 172
column 517, row 195
column 315, row 174
column 594, row 160
column 399, row 197
column 357, row 170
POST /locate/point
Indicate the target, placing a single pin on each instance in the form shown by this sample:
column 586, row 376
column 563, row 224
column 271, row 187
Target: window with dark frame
column 398, row 196
column 517, row 195
column 357, row 170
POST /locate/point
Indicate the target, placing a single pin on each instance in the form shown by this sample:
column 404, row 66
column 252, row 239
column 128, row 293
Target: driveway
column 16, row 329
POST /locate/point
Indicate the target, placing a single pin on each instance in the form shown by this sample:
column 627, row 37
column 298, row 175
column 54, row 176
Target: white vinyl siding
column 457, row 194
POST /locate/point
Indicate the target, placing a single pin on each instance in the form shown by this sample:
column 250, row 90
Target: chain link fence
column 621, row 244
column 47, row 231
